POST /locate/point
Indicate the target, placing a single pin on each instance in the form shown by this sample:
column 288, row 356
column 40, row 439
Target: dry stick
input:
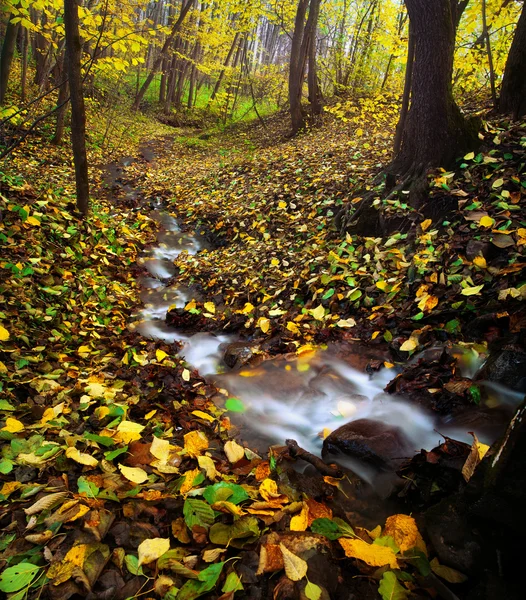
column 296, row 452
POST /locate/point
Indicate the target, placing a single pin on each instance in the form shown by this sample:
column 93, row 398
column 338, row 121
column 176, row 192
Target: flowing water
column 299, row 397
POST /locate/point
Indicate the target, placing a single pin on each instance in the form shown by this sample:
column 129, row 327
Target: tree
column 303, row 51
column 434, row 132
column 6, row 58
column 513, row 90
column 78, row 113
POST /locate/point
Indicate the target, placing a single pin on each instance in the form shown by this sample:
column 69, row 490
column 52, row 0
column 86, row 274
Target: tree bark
column 513, row 90
column 6, row 58
column 312, row 78
column 78, row 113
column 435, row 132
column 62, row 102
column 407, row 92
column 297, row 68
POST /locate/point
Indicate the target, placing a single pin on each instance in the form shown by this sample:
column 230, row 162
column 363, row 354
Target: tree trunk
column 312, row 79
column 513, row 90
column 435, row 132
column 297, row 68
column 226, row 63
column 185, row 8
column 62, row 102
column 485, row 33
column 78, row 113
column 407, row 92
column 6, row 58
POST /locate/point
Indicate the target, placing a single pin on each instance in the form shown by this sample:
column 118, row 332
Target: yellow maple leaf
column 372, row 554
column 195, row 443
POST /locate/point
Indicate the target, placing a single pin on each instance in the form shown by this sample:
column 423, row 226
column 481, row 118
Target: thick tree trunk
column 78, row 113
column 297, row 68
column 62, row 102
column 513, row 90
column 435, row 132
column 6, row 58
column 312, row 78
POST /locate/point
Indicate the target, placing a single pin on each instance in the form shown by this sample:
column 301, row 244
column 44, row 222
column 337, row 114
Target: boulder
column 507, row 367
column 239, row 354
column 373, row 442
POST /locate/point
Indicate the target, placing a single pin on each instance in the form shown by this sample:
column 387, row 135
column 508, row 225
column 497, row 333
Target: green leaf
column 87, row 487
column 328, row 294
column 390, row 589
column 100, row 439
column 18, row 577
column 387, row 541
column 5, row 405
column 327, row 528
column 114, row 453
column 232, row 583
column 418, row 559
column 246, row 528
column 312, row 591
column 235, row 405
column 225, row 491
column 132, row 564
column 6, row 466
column 206, row 582
column 197, row 512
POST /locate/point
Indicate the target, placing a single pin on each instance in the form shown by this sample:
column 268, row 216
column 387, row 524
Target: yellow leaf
column 81, row 457
column 160, row 449
column 345, row 323
column 293, row 327
column 13, row 425
column 498, row 183
column 375, row 334
column 4, row 334
column 33, row 221
column 195, row 443
column 160, row 355
column 469, row 156
column 382, row 285
column 403, row 529
column 206, row 463
column 134, row 474
column 234, row 452
column 480, row 261
column 51, row 413
column 188, row 483
column 521, row 233
column 372, row 554
column 282, row 204
column 472, row 291
column 203, row 415
column 264, row 324
column 210, row 307
column 425, row 225
column 486, row 221
column 149, row 415
column 274, row 262
column 300, row 522
column 83, row 350
column 409, row 345
column 191, row 305
column 269, row 489
column 151, row 550
column 127, row 431
column 295, row 567
column 318, row 313
column 3, row 368
column 247, row 309
column 186, row 375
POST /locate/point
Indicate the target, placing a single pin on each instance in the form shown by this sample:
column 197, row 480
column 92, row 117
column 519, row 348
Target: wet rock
column 185, row 320
column 380, row 445
column 239, row 354
column 476, row 248
column 507, row 367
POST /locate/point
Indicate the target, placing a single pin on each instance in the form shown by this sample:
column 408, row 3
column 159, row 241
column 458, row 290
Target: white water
column 299, row 398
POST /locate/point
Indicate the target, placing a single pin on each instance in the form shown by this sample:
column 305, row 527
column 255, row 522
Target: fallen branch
column 296, row 452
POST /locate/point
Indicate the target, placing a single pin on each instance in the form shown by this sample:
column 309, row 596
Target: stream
column 300, row 397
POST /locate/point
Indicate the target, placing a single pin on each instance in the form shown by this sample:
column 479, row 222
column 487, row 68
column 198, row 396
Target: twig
column 296, row 452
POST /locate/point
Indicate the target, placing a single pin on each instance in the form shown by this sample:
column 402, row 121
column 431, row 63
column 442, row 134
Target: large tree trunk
column 513, row 90
column 78, row 113
column 297, row 68
column 312, row 78
column 6, row 58
column 435, row 131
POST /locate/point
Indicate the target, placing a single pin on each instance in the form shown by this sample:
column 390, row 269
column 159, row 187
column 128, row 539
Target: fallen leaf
column 81, row 457
column 404, row 531
column 134, row 474
column 4, row 334
column 152, row 549
column 295, row 567
column 13, row 425
column 234, row 452
column 372, row 554
column 195, row 443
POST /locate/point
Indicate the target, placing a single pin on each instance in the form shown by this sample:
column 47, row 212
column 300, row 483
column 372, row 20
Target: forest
column 262, row 299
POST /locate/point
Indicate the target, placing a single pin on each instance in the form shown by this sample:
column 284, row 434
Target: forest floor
column 119, row 475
